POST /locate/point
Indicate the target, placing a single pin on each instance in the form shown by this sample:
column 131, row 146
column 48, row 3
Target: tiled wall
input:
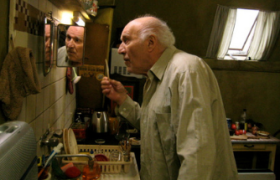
column 53, row 107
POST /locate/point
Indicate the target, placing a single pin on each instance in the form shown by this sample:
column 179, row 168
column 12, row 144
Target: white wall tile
column 59, row 90
column 33, row 126
column 46, row 121
column 59, row 107
column 67, row 112
column 52, row 115
column 40, row 103
column 48, row 78
column 52, row 94
column 40, row 74
column 36, row 43
column 60, row 122
column 22, row 115
column 21, row 39
column 60, row 87
column 30, row 108
column 58, row 73
column 46, row 97
column 39, row 121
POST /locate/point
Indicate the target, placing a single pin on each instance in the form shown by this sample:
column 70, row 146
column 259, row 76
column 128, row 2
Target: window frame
column 244, row 44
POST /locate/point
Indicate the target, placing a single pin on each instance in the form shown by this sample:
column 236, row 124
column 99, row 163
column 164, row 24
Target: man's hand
column 113, row 90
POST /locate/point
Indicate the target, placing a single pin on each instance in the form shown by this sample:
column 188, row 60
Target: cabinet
column 89, row 93
column 256, row 154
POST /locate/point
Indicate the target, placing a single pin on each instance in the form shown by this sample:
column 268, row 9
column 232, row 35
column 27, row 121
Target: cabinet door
column 88, row 88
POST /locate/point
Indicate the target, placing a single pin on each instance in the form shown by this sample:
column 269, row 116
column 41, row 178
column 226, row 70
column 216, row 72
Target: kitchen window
column 243, row 34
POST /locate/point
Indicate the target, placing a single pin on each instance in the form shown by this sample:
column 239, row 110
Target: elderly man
column 72, row 53
column 184, row 134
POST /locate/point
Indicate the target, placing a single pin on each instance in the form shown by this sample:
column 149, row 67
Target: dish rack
column 107, row 167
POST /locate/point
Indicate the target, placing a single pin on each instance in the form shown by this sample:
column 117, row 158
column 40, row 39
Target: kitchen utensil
column 100, row 122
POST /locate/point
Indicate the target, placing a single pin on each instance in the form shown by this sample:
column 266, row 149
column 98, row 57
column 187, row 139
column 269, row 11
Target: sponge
column 65, row 167
column 56, row 170
column 72, row 172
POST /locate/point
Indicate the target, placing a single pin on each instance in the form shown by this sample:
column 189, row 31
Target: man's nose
column 71, row 43
column 121, row 49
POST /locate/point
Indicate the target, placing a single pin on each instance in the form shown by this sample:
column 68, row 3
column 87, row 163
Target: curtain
column 266, row 32
column 223, row 27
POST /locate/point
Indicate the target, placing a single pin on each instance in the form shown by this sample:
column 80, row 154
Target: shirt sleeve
column 194, row 132
column 130, row 110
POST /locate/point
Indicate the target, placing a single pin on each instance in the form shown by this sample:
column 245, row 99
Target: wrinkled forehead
column 47, row 29
column 132, row 29
column 76, row 31
column 135, row 26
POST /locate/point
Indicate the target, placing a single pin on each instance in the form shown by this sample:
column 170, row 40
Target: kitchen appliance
column 17, row 151
column 100, row 122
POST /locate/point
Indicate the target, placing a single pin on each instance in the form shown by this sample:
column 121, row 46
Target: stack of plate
column 70, row 143
column 263, row 134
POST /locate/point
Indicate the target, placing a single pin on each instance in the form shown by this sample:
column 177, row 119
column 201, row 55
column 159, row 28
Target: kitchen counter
column 252, row 140
column 256, row 153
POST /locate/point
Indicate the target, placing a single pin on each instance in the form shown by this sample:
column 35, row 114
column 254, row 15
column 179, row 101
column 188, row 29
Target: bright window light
column 242, row 34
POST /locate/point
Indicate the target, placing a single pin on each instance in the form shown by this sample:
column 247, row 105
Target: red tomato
column 244, row 131
column 233, row 126
column 240, row 131
column 237, row 132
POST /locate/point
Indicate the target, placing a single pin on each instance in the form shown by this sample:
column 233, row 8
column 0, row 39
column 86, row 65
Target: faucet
column 49, row 140
column 90, row 158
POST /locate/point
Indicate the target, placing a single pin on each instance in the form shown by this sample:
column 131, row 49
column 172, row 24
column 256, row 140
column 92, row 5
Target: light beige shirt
column 182, row 121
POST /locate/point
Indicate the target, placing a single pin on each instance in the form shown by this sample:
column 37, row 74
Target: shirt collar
column 159, row 67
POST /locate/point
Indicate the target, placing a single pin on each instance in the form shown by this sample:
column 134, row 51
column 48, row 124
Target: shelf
column 71, row 5
column 75, row 5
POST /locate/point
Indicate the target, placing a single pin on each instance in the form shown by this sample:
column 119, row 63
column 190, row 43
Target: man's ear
column 152, row 41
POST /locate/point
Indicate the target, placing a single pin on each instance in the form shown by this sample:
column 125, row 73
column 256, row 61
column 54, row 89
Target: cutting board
column 239, row 137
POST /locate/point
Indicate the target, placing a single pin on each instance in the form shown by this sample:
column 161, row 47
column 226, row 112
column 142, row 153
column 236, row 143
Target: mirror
column 70, row 46
column 48, row 46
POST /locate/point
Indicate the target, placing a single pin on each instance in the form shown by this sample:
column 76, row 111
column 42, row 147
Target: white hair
column 158, row 28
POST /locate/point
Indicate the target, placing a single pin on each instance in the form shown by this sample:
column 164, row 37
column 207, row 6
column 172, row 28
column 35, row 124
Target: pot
column 100, row 122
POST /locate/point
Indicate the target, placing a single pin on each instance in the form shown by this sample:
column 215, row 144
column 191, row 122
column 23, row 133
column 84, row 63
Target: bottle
column 243, row 123
column 91, row 171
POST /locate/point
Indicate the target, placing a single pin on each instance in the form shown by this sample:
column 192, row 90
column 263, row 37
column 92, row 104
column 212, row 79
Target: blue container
column 229, row 121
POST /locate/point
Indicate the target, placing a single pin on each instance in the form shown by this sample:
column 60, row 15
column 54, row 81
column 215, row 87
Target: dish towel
column 69, row 81
column 18, row 79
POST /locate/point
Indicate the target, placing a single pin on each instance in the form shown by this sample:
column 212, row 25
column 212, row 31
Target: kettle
column 100, row 122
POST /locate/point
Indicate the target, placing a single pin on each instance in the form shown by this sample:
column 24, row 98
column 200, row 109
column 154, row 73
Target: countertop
column 251, row 140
